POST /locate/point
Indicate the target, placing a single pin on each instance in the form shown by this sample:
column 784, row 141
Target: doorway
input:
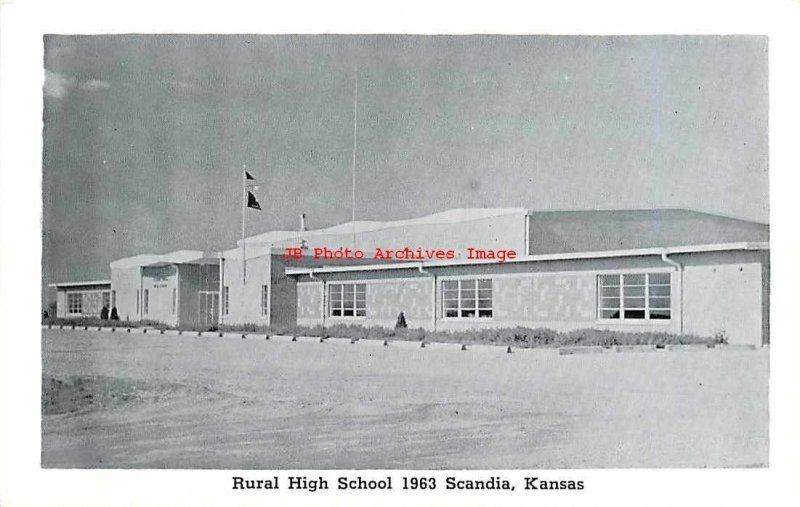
column 209, row 308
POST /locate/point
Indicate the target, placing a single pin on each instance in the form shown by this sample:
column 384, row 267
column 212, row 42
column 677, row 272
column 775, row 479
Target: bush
column 519, row 337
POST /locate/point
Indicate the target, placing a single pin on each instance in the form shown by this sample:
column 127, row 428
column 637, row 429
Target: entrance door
column 209, row 308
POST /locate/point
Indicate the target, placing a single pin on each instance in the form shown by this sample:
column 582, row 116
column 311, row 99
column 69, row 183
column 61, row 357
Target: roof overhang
column 638, row 252
column 76, row 285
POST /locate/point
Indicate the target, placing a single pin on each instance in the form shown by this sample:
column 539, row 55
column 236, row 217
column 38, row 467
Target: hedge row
column 520, row 337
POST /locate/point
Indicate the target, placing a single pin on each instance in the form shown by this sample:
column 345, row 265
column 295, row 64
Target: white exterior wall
column 724, row 298
column 125, row 281
column 245, row 300
column 717, row 293
column 160, row 282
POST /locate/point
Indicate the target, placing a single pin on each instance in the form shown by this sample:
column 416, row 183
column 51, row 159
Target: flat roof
column 80, row 284
column 177, row 257
column 722, row 247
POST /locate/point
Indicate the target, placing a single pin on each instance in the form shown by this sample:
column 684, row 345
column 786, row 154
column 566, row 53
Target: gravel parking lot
column 151, row 401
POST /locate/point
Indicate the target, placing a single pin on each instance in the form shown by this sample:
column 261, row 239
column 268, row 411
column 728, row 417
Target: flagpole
column 355, row 140
column 244, row 214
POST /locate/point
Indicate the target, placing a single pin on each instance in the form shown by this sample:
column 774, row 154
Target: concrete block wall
column 716, row 293
column 385, row 300
column 309, row 303
column 546, row 298
column 92, row 302
column 562, row 301
column 414, row 297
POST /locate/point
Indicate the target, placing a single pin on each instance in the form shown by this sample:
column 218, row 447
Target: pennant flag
column 252, row 202
column 248, row 176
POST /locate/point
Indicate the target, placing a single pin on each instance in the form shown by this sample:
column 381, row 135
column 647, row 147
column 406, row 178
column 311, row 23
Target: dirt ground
column 152, row 401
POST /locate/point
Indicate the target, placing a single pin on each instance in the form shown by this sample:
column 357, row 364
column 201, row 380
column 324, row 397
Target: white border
column 22, row 482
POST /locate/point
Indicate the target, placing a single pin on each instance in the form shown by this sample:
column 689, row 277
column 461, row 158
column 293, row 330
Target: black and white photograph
column 426, row 253
column 413, row 252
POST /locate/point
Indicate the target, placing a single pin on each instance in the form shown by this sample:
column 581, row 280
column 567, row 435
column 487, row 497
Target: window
column 146, row 302
column 264, row 300
column 174, row 300
column 348, row 300
column 74, row 303
column 106, row 299
column 226, row 299
column 113, row 298
column 467, row 298
column 137, row 301
column 640, row 296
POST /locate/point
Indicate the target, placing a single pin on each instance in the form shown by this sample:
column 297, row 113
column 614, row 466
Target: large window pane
column 609, row 302
column 659, row 303
column 633, row 280
column 640, row 296
column 634, row 302
column 467, row 298
column 659, row 278
column 635, row 291
column 634, row 314
column 659, row 290
column 659, row 314
column 348, row 300
column 609, row 280
column 609, row 291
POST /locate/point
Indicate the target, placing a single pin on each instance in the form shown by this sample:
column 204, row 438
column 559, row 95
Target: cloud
column 95, row 84
column 57, row 85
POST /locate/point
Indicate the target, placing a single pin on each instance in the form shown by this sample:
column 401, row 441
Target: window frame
column 621, row 296
column 459, row 290
column 146, row 302
column 264, row 300
column 359, row 304
column 226, row 295
column 71, row 297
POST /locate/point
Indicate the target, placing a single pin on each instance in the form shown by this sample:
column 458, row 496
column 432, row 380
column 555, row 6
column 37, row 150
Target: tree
column 114, row 314
column 401, row 322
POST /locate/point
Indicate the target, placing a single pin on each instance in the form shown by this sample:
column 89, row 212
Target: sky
column 145, row 136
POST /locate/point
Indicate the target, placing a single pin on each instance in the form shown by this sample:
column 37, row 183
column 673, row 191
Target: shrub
column 518, row 337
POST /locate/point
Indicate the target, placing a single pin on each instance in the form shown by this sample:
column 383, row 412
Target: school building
column 671, row 270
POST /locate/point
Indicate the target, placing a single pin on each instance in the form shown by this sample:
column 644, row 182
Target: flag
column 252, row 202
